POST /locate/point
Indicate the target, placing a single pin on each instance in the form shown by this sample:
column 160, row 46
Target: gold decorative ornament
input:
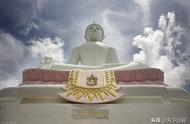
column 74, row 89
column 91, row 80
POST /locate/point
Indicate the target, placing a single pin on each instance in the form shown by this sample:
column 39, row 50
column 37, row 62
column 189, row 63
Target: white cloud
column 10, row 82
column 40, row 4
column 145, row 5
column 150, row 45
column 48, row 47
column 11, row 54
column 113, row 36
column 16, row 57
column 11, row 57
column 158, row 50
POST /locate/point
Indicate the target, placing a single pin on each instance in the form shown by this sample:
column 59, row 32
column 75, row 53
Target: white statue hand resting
column 46, row 63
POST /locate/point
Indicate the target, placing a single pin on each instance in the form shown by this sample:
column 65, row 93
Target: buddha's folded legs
column 49, row 63
column 131, row 66
column 65, row 67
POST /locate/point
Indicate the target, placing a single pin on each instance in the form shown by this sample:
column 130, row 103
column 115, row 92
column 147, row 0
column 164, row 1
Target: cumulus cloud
column 112, row 34
column 11, row 56
column 161, row 49
column 38, row 20
column 48, row 47
column 145, row 5
column 70, row 19
column 16, row 57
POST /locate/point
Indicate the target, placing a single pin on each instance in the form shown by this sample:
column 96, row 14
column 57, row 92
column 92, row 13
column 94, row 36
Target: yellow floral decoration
column 108, row 89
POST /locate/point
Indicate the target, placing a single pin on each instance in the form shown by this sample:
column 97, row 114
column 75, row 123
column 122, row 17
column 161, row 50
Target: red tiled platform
column 140, row 76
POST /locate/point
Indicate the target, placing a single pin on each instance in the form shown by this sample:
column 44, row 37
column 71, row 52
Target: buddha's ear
column 103, row 37
column 85, row 36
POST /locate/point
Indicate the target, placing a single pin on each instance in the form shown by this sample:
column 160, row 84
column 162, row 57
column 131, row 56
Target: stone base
column 144, row 112
column 144, row 104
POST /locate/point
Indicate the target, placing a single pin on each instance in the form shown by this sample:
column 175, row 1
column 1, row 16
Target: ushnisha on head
column 94, row 33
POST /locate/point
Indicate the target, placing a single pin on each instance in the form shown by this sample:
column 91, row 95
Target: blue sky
column 28, row 26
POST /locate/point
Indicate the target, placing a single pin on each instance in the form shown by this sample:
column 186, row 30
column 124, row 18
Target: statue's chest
column 94, row 52
column 93, row 55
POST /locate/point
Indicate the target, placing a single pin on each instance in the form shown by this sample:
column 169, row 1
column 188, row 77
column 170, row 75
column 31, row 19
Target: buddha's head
column 94, row 33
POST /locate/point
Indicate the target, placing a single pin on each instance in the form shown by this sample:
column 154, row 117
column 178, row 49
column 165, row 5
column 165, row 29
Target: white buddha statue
column 94, row 54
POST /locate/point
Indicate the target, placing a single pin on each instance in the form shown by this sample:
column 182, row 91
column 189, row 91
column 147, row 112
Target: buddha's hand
column 46, row 62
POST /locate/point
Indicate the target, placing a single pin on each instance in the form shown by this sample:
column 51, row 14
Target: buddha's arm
column 75, row 58
column 112, row 56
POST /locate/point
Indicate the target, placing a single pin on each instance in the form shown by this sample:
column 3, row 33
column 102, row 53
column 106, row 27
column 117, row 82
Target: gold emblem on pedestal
column 74, row 89
column 91, row 80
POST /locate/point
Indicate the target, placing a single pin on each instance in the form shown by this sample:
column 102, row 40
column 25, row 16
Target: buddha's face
column 94, row 33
